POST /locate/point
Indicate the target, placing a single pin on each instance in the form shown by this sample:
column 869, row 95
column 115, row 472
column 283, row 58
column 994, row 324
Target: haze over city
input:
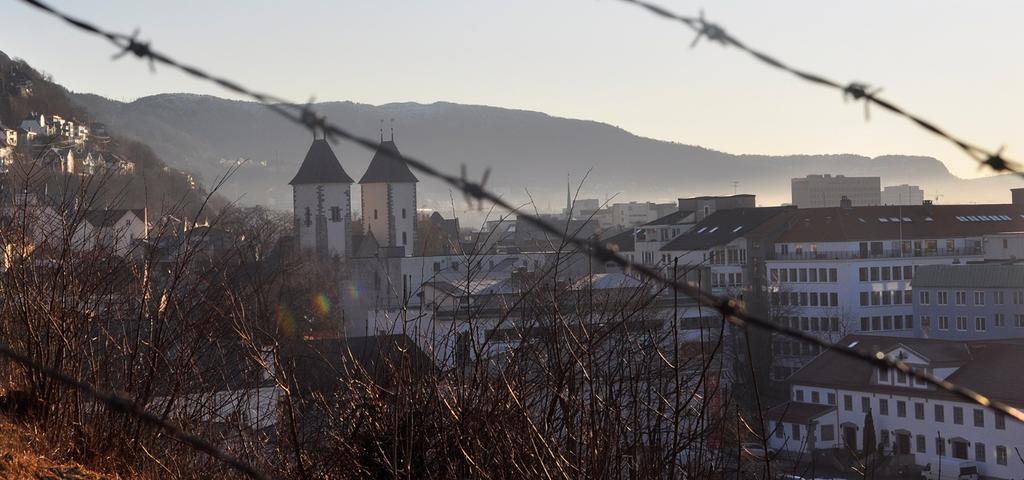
column 478, row 239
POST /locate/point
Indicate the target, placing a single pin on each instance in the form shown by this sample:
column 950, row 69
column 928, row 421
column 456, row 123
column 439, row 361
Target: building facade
column 969, row 302
column 388, row 192
column 322, row 202
column 870, row 256
column 902, row 195
column 832, row 396
column 820, row 191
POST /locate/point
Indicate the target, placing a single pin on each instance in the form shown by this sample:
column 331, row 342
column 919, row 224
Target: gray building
column 817, row 191
column 902, row 195
column 969, row 302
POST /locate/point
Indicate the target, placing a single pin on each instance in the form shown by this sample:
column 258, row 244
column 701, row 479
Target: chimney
column 845, row 203
column 1017, row 194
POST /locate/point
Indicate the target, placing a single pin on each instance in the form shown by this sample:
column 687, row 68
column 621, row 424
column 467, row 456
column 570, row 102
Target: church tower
column 322, row 202
column 389, row 198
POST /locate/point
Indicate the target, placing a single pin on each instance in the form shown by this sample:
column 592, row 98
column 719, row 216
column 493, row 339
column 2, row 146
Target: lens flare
column 321, row 305
column 285, row 321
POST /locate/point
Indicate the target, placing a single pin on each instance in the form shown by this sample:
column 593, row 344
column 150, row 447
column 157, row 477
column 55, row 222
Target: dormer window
column 883, row 375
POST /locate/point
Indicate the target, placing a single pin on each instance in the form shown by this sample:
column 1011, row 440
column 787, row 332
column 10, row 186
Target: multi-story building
column 819, row 191
column 869, row 257
column 969, row 302
column 831, row 398
column 638, row 213
column 732, row 243
column 902, row 195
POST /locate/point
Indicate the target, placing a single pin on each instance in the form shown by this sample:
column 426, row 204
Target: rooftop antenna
column 382, row 130
column 392, row 129
column 735, row 186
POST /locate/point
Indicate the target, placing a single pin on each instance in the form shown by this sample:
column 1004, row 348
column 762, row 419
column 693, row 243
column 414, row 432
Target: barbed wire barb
column 855, row 89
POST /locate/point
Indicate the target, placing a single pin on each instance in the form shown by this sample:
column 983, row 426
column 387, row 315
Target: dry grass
column 20, row 460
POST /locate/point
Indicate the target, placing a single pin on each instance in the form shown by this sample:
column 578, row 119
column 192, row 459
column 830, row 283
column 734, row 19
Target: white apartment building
column 837, row 271
column 831, row 397
column 902, row 195
column 818, row 191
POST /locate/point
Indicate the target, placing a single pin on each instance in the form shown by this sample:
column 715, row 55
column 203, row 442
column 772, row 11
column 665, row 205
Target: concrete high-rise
column 817, row 191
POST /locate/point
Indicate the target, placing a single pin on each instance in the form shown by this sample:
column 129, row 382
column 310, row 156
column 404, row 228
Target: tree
column 869, row 434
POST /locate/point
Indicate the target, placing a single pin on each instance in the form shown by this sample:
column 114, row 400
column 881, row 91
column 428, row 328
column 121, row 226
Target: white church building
column 322, row 200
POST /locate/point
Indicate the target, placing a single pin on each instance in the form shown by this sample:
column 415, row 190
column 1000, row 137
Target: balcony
column 850, row 255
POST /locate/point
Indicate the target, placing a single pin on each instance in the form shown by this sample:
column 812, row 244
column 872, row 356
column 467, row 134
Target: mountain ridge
column 526, row 149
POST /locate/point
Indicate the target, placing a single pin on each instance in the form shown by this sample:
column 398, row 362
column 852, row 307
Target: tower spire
column 568, row 194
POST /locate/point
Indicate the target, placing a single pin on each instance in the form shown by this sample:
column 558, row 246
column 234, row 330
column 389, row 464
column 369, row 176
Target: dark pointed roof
column 386, row 166
column 320, row 166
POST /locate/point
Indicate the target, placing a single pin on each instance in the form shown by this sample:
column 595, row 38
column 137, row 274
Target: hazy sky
column 956, row 63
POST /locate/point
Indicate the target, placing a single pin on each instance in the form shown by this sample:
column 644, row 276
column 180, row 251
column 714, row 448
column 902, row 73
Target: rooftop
column 723, row 227
column 838, row 224
column 320, row 166
column 981, row 366
column 387, row 166
column 970, row 275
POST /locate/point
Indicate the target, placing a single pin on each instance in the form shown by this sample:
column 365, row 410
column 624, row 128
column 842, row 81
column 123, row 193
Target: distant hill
column 526, row 150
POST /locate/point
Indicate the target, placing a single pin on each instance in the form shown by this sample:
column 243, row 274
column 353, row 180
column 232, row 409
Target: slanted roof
column 970, row 275
column 673, row 218
column 320, row 166
column 982, row 366
column 365, row 246
column 907, row 221
column 109, row 217
column 624, row 241
column 722, row 227
column 608, row 281
column 387, row 166
column 450, row 226
column 798, row 412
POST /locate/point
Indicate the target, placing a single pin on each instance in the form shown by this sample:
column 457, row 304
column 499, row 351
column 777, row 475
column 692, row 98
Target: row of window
column 783, row 372
column 806, row 299
column 886, row 273
column 784, row 347
column 980, row 322
column 896, row 377
column 960, row 296
column 728, row 256
column 811, row 324
column 886, row 297
column 939, row 411
column 727, row 280
column 804, row 275
column 886, row 322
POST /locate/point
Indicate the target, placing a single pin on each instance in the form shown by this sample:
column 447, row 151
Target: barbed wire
column 729, row 308
column 128, row 406
column 858, row 91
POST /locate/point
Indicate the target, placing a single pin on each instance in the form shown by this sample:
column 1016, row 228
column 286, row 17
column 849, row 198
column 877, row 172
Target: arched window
column 403, row 239
column 375, row 214
column 403, row 213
